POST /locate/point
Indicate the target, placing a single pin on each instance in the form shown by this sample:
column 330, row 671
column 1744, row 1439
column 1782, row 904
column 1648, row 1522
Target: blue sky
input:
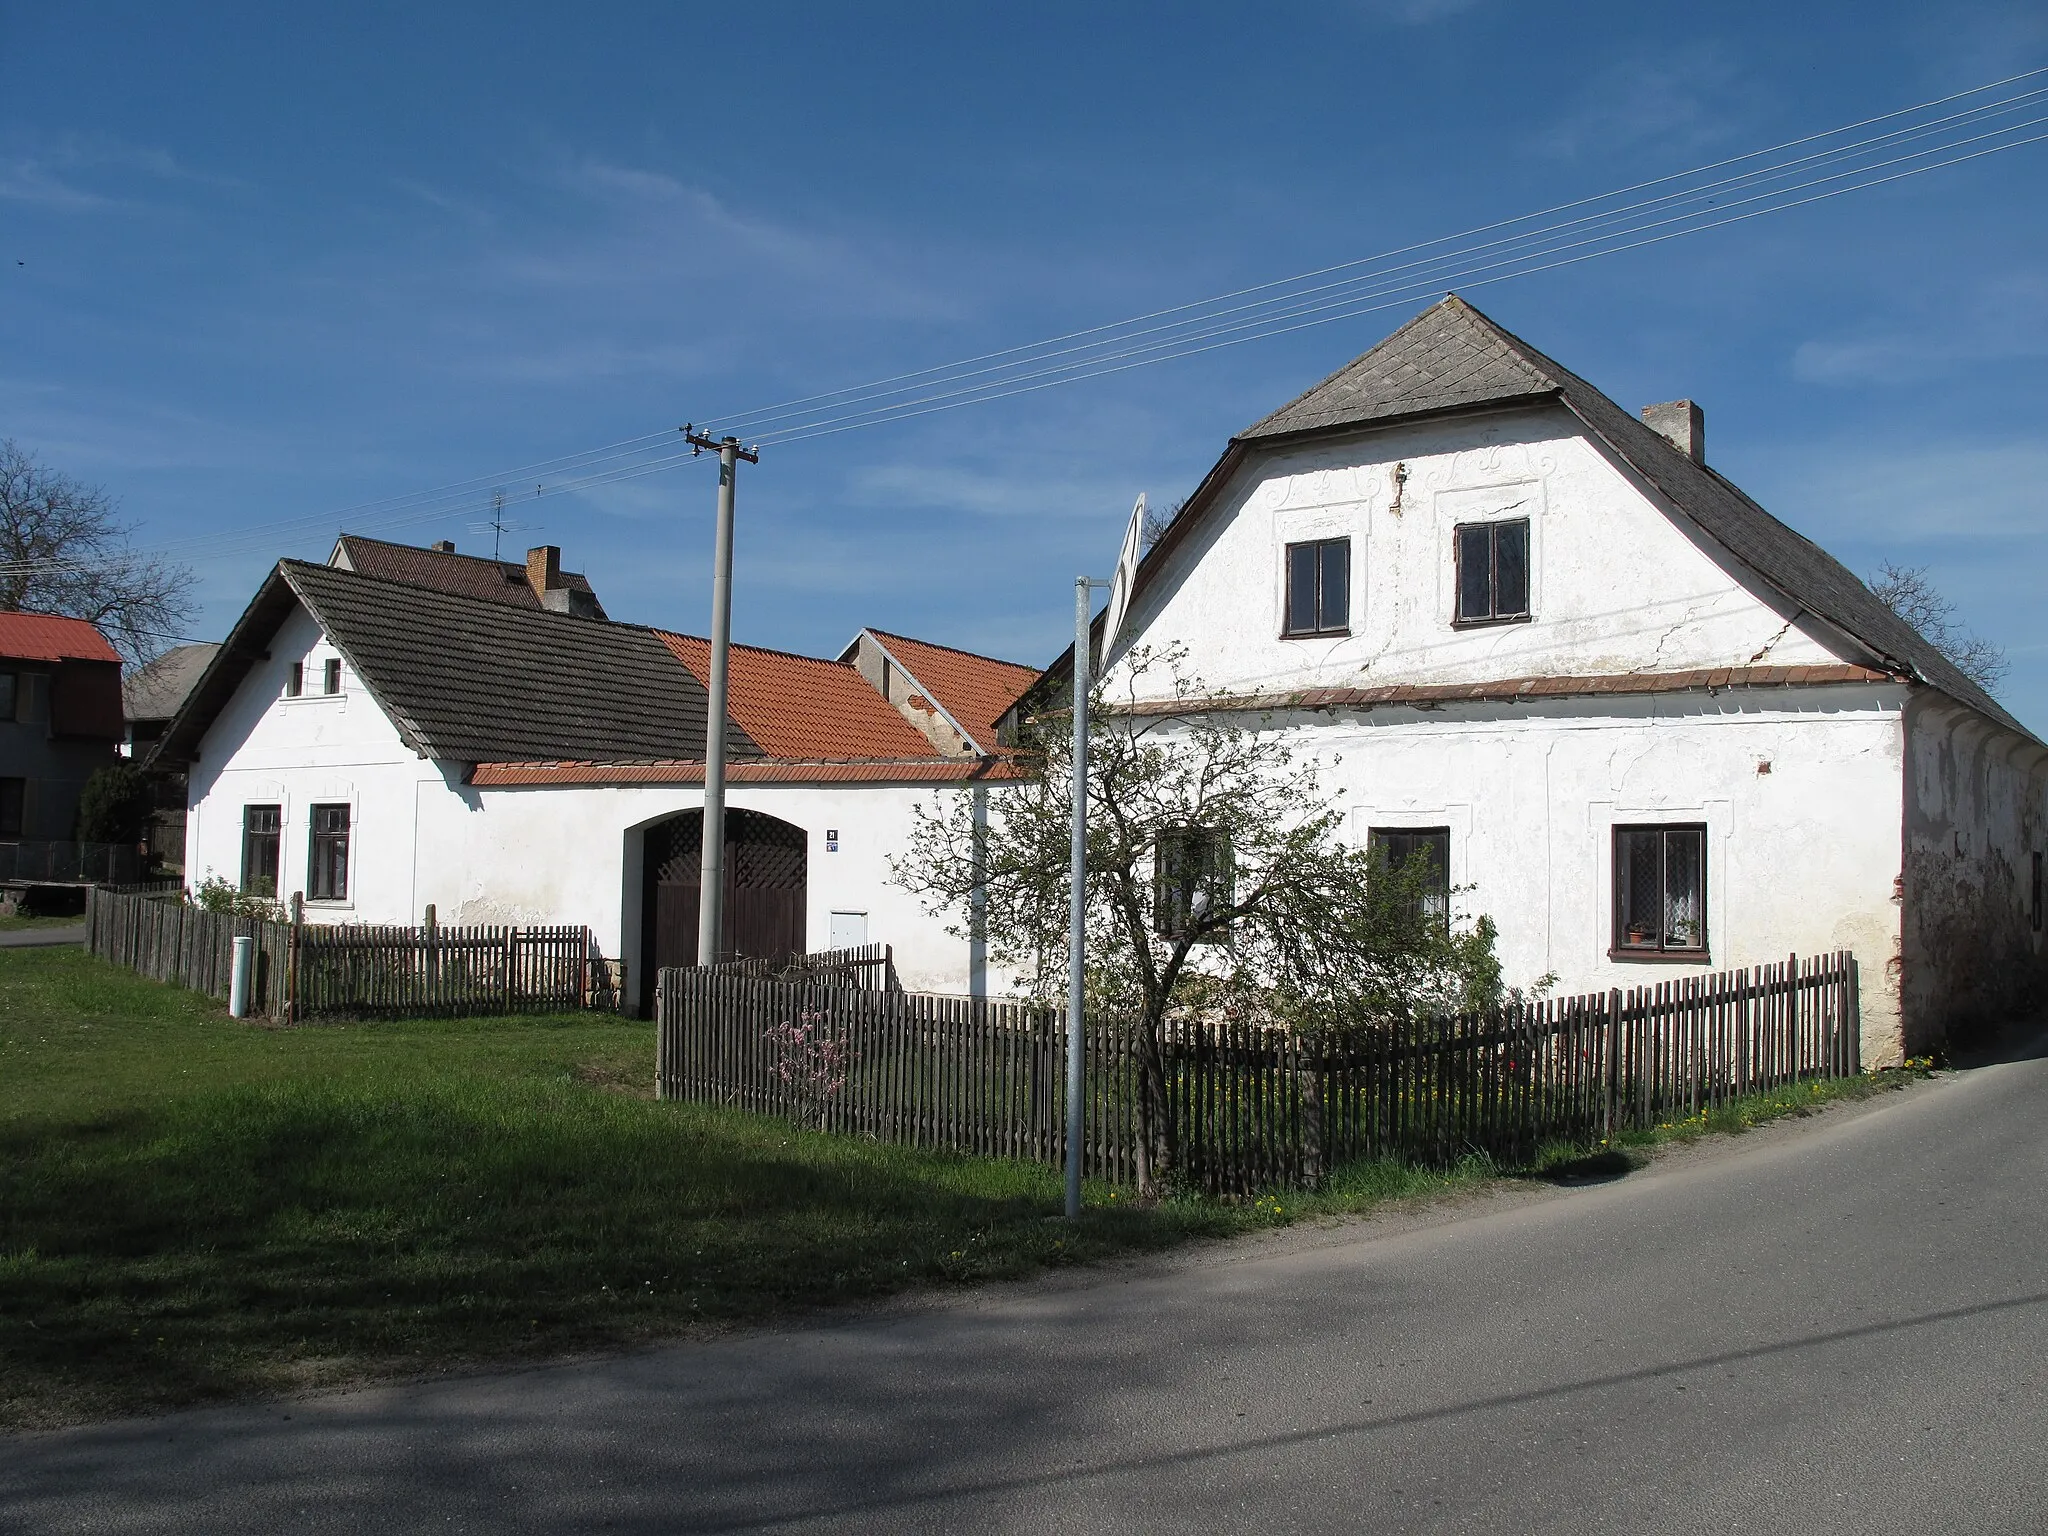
column 260, row 264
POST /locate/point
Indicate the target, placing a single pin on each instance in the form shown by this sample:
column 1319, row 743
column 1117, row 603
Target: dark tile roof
column 155, row 690
column 1452, row 357
column 467, row 680
column 478, row 576
column 1448, row 357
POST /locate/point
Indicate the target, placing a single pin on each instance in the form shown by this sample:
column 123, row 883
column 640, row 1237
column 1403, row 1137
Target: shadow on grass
column 263, row 1238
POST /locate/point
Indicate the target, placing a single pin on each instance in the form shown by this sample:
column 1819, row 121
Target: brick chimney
column 443, row 546
column 544, row 570
column 1683, row 424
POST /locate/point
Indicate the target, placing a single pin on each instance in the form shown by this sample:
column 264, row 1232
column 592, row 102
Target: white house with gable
column 408, row 728
column 1643, row 724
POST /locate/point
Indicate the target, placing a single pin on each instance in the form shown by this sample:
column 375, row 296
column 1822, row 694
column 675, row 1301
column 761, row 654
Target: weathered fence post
column 293, row 960
column 1611, row 1068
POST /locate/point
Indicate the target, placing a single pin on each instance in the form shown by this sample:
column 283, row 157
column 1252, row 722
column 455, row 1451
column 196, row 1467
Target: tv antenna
column 498, row 527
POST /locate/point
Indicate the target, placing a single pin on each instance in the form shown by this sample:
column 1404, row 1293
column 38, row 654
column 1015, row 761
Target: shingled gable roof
column 1453, row 358
column 478, row 576
column 467, row 680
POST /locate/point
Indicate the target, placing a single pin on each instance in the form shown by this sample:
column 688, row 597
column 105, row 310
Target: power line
column 1206, row 325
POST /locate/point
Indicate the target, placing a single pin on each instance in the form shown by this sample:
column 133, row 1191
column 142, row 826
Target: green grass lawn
column 193, row 1207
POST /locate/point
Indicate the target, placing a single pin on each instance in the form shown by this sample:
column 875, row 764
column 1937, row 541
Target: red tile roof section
column 974, row 690
column 1516, row 689
column 805, row 708
column 936, row 770
column 44, row 637
column 438, row 570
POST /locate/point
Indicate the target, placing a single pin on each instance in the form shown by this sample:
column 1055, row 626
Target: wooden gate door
column 766, row 888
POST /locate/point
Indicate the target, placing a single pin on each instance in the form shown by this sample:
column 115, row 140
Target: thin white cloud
column 71, row 173
column 2000, row 320
column 1916, row 497
column 1643, row 103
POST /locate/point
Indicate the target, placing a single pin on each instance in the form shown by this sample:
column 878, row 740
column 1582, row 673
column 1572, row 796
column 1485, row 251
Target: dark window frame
column 1657, row 945
column 262, row 843
column 1495, row 613
column 1186, row 860
column 2034, row 901
column 295, row 681
column 13, row 806
column 1319, row 600
column 10, row 692
column 330, row 675
column 329, row 830
column 1388, row 841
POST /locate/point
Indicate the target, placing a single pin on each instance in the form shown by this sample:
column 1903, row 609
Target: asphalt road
column 40, row 938
column 1839, row 1324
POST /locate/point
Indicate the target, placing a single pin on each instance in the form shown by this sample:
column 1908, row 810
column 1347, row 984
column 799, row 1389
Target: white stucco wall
column 1800, row 858
column 266, row 749
column 419, row 835
column 1615, row 585
column 510, row 855
column 1976, row 819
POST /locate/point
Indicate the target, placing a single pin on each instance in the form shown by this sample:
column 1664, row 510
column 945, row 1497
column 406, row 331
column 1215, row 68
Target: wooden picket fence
column 871, row 966
column 1255, row 1107
column 164, row 939
column 309, row 971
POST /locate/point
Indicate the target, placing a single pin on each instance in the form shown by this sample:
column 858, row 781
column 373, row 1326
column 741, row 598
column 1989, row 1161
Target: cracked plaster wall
column 1616, row 586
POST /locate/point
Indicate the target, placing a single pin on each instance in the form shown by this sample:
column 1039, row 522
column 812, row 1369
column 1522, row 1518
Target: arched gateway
column 766, row 874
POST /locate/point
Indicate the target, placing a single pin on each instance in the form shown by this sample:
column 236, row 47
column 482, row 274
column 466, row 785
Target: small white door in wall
column 849, row 930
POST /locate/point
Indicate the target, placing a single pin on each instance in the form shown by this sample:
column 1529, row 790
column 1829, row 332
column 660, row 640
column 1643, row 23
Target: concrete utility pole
column 711, row 890
column 1077, row 902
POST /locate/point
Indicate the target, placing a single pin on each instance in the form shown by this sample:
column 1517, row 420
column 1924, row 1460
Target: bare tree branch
column 63, row 551
column 1908, row 592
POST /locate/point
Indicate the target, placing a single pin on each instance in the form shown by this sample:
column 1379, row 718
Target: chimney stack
column 1682, row 424
column 443, row 546
column 544, row 570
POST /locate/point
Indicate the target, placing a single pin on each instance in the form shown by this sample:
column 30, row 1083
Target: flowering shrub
column 812, row 1060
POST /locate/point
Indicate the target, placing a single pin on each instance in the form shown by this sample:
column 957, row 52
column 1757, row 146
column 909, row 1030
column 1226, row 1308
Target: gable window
column 262, row 834
column 295, row 681
column 1660, row 891
column 1319, row 588
column 327, row 860
column 13, row 806
column 1192, row 877
column 1399, row 847
column 1493, row 571
column 8, row 689
column 331, row 674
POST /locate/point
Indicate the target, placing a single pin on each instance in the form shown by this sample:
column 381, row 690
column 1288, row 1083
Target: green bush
column 216, row 895
column 114, row 805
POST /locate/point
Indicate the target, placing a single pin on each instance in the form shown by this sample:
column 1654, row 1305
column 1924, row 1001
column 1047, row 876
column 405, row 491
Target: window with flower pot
column 1660, row 891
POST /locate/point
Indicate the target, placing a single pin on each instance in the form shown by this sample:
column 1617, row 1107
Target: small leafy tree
column 1218, row 879
column 812, row 1060
column 114, row 805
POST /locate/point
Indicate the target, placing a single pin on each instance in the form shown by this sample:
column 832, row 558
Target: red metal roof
column 44, row 637
column 803, row 707
column 931, row 770
column 974, row 690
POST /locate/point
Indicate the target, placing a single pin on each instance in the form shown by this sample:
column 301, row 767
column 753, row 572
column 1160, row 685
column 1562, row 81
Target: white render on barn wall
column 1802, row 854
column 558, row 854
column 1615, row 586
